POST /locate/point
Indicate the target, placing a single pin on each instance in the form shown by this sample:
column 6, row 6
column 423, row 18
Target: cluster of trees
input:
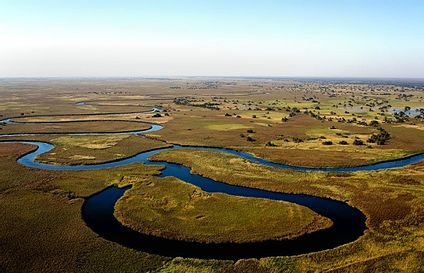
column 380, row 138
column 190, row 101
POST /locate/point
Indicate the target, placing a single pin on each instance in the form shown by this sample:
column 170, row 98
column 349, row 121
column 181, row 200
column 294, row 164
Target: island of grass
column 75, row 127
column 173, row 209
column 75, row 150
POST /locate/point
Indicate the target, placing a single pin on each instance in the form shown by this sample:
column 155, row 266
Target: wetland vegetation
column 302, row 123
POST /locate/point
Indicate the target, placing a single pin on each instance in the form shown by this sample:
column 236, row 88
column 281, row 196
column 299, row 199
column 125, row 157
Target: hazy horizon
column 285, row 39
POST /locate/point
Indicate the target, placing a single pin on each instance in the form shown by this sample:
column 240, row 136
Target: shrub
column 297, row 140
column 374, row 123
column 327, row 142
column 358, row 142
column 251, row 139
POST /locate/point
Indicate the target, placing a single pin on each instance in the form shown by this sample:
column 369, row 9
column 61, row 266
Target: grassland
column 172, row 209
column 76, row 127
column 297, row 142
column 41, row 220
column 73, row 150
column 392, row 200
column 285, row 121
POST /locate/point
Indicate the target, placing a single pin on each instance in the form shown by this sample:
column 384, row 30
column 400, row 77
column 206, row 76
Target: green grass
column 392, row 201
column 42, row 225
column 173, row 209
column 95, row 149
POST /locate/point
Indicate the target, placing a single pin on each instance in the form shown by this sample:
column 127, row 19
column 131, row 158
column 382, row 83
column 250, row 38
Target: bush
column 251, row 139
column 358, row 142
column 250, row 131
column 343, row 142
column 328, row 142
column 297, row 140
column 374, row 123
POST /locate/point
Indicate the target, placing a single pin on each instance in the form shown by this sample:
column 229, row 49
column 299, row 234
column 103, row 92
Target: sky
column 286, row 38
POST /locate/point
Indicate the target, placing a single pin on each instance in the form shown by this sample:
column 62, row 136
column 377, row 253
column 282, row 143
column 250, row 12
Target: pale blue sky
column 344, row 38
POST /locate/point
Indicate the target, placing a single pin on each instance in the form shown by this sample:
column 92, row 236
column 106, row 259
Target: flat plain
column 294, row 122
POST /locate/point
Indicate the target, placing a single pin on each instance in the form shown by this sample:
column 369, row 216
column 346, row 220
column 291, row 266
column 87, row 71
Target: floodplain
column 294, row 122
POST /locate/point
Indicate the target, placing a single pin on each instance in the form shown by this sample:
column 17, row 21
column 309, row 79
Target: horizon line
column 172, row 77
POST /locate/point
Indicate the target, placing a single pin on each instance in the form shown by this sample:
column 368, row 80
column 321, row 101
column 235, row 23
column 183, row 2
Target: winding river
column 98, row 209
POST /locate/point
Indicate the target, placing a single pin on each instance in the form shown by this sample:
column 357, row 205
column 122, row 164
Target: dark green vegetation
column 279, row 120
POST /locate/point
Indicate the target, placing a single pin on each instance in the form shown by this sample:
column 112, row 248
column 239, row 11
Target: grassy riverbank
column 173, row 209
column 392, row 201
